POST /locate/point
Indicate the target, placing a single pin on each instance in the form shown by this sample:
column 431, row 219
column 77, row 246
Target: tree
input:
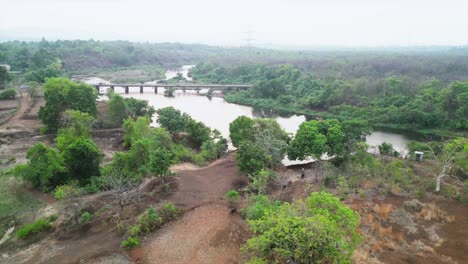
column 161, row 160
column 274, row 147
column 45, row 168
column 250, row 158
column 242, row 128
column 318, row 230
column 118, row 109
column 62, row 94
column 315, row 138
column 452, row 160
column 171, row 119
column 135, row 130
column 82, row 158
column 4, row 77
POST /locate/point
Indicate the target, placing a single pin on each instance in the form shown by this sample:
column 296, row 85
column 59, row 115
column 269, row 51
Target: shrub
column 53, row 217
column 37, row 227
column 232, row 196
column 8, row 94
column 260, row 205
column 131, row 242
column 168, row 212
column 85, row 217
column 135, row 230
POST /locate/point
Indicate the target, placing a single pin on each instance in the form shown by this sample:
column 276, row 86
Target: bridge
column 177, row 86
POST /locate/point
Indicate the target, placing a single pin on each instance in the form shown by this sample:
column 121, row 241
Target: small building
column 418, row 155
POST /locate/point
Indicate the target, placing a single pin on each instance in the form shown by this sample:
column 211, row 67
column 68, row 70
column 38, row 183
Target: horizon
column 298, row 23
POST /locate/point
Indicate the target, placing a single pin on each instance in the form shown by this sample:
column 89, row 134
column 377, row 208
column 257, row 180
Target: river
column 216, row 113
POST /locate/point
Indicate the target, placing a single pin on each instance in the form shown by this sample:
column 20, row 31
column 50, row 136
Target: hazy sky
column 285, row 22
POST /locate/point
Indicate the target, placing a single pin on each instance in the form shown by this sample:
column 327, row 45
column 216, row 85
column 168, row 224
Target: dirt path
column 22, row 107
column 208, row 232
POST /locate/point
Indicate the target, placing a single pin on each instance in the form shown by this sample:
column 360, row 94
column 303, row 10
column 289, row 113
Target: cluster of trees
column 61, row 94
column 75, row 158
column 192, row 133
column 319, row 229
column 120, row 108
column 386, row 98
column 261, row 144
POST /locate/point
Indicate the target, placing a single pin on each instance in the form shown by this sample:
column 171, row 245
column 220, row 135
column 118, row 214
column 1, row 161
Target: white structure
column 418, row 155
column 6, row 66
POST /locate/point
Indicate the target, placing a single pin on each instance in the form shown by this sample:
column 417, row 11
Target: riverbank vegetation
column 382, row 99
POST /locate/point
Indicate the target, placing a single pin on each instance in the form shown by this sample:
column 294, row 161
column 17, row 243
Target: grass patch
column 40, row 225
column 15, row 202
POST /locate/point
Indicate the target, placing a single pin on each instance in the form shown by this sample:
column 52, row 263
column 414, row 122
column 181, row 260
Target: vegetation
column 318, row 229
column 40, row 225
column 384, row 98
column 121, row 108
column 63, row 94
column 8, row 93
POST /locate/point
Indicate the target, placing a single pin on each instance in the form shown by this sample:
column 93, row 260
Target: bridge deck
column 175, row 85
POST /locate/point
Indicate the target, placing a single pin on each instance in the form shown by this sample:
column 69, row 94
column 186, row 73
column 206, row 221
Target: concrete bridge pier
column 155, row 89
column 198, row 90
column 126, row 89
column 141, row 89
column 112, row 88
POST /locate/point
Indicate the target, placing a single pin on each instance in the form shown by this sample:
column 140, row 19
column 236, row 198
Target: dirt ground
column 207, row 234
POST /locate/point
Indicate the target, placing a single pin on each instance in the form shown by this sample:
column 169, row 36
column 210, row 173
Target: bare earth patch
column 208, row 234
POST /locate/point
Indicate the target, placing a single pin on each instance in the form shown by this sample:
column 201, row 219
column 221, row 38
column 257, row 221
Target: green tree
column 251, row 158
column 45, row 168
column 161, row 160
column 62, row 94
column 318, row 230
column 82, row 158
column 171, row 119
column 4, row 77
column 242, row 128
column 118, row 109
column 315, row 138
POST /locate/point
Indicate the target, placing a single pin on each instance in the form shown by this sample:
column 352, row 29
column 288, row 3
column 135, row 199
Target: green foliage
column 232, row 196
column 387, row 149
column 259, row 181
column 69, row 190
column 251, row 158
column 118, row 109
column 85, row 217
column 131, row 242
column 242, row 128
column 160, row 161
column 319, row 229
column 45, row 168
column 8, row 93
column 315, row 138
column 82, row 158
column 40, row 225
column 136, row 129
column 62, row 94
column 259, row 205
column 4, row 77
column 171, row 119
column 168, row 212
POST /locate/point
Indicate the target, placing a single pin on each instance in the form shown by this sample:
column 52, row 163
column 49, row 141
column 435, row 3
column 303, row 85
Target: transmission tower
column 248, row 40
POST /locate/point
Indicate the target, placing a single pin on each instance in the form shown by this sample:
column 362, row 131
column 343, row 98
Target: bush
column 53, row 217
column 85, row 217
column 131, row 242
column 232, row 196
column 168, row 212
column 8, row 94
column 37, row 227
column 259, row 206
